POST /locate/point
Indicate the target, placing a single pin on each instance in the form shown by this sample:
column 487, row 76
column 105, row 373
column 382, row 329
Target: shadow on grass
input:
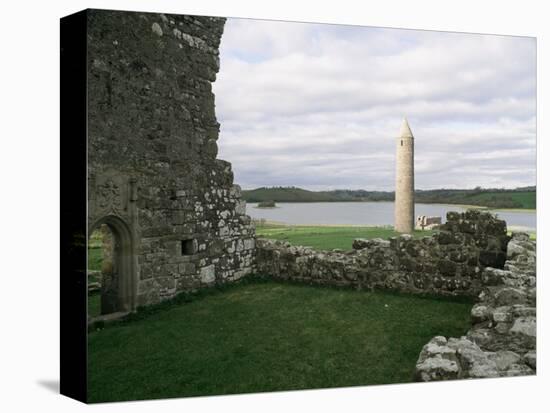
column 189, row 297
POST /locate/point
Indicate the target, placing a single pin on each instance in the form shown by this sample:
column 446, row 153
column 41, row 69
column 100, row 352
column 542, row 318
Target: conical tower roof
column 405, row 131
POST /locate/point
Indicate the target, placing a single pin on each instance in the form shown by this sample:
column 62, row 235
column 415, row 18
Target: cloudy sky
column 319, row 106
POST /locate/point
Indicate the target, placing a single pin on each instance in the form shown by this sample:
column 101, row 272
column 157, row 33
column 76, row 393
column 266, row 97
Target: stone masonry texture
column 503, row 337
column 153, row 173
column 450, row 262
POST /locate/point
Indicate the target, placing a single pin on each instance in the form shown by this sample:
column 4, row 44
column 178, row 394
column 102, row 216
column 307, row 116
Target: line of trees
column 524, row 197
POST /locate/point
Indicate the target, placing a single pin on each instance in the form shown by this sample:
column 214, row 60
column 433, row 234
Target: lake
column 370, row 213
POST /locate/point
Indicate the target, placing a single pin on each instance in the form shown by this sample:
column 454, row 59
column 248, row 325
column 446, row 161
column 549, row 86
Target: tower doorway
column 111, row 279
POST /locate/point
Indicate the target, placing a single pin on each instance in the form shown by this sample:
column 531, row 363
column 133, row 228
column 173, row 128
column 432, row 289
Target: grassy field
column 268, row 336
column 95, row 252
column 95, row 256
column 326, row 237
column 94, row 304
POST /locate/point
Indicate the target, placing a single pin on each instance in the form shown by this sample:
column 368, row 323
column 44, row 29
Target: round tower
column 404, row 180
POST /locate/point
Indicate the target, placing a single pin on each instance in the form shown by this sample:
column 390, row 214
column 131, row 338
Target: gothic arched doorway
column 114, row 266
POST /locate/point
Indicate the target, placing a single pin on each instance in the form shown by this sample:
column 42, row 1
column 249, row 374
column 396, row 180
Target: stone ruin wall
column 450, row 262
column 152, row 166
column 503, row 338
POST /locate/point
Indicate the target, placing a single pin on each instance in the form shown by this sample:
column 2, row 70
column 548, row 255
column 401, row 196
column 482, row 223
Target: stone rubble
column 502, row 340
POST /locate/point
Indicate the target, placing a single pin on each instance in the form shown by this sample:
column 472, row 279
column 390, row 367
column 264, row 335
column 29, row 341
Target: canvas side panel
column 73, row 305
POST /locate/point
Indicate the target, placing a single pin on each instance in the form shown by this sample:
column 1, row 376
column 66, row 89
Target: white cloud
column 318, row 106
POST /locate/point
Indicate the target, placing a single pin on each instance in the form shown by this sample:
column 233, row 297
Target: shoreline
column 529, row 211
column 466, row 206
column 526, row 210
column 306, row 225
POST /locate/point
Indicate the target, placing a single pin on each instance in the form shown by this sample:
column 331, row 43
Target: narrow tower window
column 401, row 142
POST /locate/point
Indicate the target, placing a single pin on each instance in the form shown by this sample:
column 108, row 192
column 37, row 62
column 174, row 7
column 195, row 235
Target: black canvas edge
column 73, row 206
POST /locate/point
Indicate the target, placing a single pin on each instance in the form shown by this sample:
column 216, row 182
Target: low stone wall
column 502, row 340
column 448, row 263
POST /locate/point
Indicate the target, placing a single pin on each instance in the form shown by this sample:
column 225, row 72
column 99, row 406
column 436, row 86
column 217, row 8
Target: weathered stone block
column 187, row 268
column 446, row 237
column 452, row 216
column 249, row 244
column 526, row 326
column 447, row 268
column 494, row 259
column 406, row 264
column 480, row 313
column 530, row 358
column 208, row 274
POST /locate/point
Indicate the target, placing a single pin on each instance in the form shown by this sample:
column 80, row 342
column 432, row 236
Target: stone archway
column 118, row 295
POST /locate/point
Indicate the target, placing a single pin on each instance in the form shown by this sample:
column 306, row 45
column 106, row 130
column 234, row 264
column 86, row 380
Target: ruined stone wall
column 448, row 263
column 502, row 340
column 153, row 173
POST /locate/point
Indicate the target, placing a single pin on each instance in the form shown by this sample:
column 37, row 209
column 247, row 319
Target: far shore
column 321, row 225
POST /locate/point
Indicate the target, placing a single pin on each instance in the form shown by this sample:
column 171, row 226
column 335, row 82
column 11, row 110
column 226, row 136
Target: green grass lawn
column 327, row 237
column 268, row 336
column 95, row 251
column 95, row 256
column 94, row 304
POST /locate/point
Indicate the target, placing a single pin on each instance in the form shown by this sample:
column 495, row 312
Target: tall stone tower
column 404, row 180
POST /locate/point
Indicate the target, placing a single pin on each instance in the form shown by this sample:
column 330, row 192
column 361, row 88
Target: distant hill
column 523, row 198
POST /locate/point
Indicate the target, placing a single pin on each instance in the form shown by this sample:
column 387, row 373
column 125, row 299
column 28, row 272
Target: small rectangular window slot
column 187, row 247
